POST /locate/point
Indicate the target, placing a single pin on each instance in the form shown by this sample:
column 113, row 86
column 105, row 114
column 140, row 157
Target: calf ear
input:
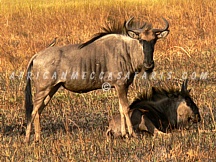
column 133, row 35
column 163, row 34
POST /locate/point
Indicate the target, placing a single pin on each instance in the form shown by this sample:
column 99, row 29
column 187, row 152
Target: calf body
column 139, row 120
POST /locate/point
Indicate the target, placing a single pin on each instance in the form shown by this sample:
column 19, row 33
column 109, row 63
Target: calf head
column 187, row 109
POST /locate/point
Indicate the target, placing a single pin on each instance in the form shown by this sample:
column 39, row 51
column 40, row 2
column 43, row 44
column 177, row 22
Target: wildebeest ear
column 133, row 34
column 163, row 34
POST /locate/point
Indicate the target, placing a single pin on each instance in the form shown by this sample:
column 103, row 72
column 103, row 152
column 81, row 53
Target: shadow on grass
column 50, row 127
column 13, row 129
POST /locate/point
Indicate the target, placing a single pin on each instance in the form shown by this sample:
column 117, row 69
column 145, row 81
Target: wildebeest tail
column 28, row 91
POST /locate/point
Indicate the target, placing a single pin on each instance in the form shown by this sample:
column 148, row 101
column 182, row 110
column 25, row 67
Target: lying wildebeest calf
column 160, row 111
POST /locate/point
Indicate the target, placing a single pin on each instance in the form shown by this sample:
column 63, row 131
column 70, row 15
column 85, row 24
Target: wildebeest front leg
column 124, row 110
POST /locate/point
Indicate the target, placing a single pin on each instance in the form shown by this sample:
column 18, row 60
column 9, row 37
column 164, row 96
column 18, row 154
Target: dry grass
column 73, row 125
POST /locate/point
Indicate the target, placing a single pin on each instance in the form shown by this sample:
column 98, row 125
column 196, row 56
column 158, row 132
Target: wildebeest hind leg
column 42, row 98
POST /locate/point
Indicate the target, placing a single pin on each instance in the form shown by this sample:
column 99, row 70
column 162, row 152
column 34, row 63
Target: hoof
column 129, row 136
column 26, row 140
column 134, row 135
column 125, row 136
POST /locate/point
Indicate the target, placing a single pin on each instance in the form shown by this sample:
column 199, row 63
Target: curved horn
column 140, row 30
column 144, row 25
column 134, row 30
column 160, row 30
column 127, row 23
column 184, row 86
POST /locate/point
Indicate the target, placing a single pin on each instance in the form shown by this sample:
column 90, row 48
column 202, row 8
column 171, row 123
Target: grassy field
column 74, row 125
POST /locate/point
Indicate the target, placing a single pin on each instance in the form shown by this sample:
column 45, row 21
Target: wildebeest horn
column 184, row 86
column 127, row 23
column 161, row 30
column 134, row 30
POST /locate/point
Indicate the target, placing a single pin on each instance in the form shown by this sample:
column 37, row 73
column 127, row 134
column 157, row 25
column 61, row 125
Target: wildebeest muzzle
column 148, row 66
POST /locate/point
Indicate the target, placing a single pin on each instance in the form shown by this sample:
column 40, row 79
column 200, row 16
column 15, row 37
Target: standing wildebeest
column 113, row 56
column 162, row 110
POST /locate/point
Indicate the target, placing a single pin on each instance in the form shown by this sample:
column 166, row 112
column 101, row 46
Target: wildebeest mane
column 156, row 93
column 114, row 28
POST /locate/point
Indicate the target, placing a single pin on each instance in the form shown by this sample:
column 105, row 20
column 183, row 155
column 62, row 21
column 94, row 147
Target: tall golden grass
column 73, row 124
column 28, row 26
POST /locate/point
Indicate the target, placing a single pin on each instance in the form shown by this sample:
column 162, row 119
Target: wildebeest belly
column 82, row 86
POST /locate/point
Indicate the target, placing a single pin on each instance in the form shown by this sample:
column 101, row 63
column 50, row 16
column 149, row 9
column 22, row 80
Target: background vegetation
column 74, row 125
